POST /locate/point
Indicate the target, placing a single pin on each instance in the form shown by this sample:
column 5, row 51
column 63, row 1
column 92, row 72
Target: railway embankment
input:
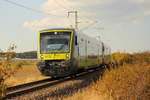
column 65, row 89
column 128, row 80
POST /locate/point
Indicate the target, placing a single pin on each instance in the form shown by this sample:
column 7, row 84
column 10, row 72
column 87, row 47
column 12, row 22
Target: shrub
column 7, row 68
column 120, row 59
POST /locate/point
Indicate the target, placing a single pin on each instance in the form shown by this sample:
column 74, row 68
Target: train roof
column 58, row 29
column 78, row 32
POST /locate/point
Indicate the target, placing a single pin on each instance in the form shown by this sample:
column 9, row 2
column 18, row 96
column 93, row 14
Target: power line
column 39, row 11
column 95, row 22
column 28, row 8
column 66, row 9
column 76, row 22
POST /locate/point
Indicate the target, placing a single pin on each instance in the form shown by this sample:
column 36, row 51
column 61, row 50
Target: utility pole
column 76, row 17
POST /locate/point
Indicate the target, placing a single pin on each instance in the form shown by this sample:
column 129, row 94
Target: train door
column 75, row 53
column 82, row 51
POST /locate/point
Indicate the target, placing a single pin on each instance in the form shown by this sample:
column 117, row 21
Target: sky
column 124, row 25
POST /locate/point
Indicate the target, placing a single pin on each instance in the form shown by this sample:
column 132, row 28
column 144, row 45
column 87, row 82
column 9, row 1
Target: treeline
column 27, row 55
column 24, row 55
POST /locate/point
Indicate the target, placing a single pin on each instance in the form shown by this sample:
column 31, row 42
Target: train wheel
column 53, row 77
column 73, row 76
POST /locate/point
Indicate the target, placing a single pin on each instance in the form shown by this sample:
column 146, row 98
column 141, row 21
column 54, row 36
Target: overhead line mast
column 76, row 17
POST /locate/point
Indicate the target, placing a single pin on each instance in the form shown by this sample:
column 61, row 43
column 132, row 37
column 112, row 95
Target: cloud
column 36, row 24
column 58, row 7
column 47, row 23
column 140, row 1
column 56, row 12
column 147, row 12
column 109, row 11
column 140, row 17
column 136, row 21
column 74, row 3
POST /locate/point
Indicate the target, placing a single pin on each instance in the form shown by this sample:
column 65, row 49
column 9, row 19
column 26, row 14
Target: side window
column 76, row 40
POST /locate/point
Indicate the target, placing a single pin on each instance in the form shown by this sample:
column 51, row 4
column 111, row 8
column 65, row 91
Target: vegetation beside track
column 131, row 82
column 128, row 80
column 7, row 68
column 140, row 58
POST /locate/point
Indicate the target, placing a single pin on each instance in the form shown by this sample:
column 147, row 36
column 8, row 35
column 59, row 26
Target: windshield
column 52, row 42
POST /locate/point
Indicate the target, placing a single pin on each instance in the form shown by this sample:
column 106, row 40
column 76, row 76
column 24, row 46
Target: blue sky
column 122, row 24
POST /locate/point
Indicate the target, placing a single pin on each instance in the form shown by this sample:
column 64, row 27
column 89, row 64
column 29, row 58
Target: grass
column 7, row 68
column 141, row 58
column 13, row 72
column 27, row 73
column 126, row 83
column 123, row 83
column 19, row 72
column 128, row 80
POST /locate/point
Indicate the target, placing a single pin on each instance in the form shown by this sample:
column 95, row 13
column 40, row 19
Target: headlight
column 67, row 56
column 41, row 56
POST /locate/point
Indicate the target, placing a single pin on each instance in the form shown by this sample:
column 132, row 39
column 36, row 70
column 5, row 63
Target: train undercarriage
column 54, row 68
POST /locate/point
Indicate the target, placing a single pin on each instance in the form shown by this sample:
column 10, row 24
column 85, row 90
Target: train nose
column 64, row 64
column 54, row 68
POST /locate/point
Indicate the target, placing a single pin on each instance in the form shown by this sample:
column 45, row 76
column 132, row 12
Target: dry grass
column 129, row 81
column 86, row 94
column 123, row 83
column 126, row 83
column 19, row 72
column 141, row 58
column 7, row 68
column 13, row 72
column 27, row 73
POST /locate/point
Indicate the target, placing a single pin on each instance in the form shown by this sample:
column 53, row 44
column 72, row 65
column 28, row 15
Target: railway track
column 13, row 92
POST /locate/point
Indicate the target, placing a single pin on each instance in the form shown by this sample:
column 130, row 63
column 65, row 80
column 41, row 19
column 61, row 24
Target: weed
column 7, row 68
column 129, row 81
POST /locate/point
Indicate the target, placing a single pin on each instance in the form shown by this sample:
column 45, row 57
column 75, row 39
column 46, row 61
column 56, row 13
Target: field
column 13, row 72
column 27, row 73
column 127, row 79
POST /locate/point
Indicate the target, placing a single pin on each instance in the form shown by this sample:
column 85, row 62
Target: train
column 66, row 51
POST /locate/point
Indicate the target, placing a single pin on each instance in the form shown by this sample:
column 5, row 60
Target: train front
column 54, row 52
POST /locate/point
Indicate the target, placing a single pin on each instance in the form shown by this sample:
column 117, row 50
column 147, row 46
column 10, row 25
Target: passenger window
column 76, row 42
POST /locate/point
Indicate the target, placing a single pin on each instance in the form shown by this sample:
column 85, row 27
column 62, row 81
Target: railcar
column 65, row 51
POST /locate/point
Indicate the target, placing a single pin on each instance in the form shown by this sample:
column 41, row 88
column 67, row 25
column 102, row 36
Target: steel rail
column 23, row 89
